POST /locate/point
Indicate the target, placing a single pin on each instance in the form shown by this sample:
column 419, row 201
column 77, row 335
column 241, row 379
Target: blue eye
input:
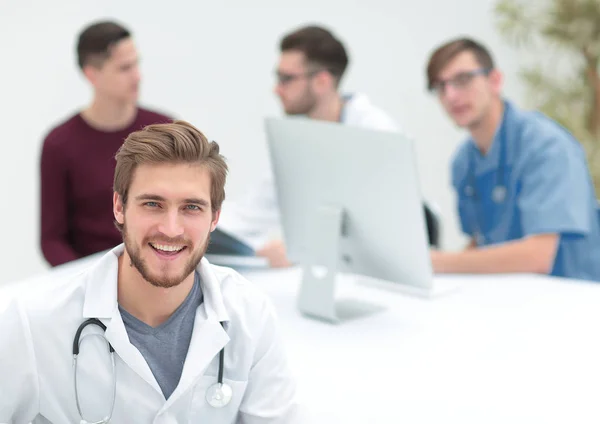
column 151, row 204
column 194, row 207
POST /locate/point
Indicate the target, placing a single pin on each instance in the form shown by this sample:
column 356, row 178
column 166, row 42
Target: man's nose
column 172, row 224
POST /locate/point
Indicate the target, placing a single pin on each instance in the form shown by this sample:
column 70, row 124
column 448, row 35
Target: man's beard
column 163, row 281
column 305, row 104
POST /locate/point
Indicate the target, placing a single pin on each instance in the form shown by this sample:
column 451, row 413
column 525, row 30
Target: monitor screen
column 353, row 193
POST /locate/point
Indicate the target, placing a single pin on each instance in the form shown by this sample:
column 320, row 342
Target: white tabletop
column 503, row 349
column 498, row 349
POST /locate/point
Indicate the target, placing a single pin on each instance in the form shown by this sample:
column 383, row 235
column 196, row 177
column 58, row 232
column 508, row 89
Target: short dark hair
column 95, row 42
column 320, row 47
column 449, row 50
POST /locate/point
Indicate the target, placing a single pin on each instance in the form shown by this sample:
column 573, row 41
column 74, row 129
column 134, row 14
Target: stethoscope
column 498, row 192
column 217, row 395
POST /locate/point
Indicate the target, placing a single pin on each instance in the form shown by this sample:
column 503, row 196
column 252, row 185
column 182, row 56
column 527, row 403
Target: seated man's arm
column 254, row 216
column 275, row 253
column 271, row 392
column 19, row 388
column 53, row 205
column 534, row 254
column 553, row 201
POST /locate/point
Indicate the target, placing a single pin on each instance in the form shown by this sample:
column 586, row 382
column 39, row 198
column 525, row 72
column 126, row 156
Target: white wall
column 213, row 65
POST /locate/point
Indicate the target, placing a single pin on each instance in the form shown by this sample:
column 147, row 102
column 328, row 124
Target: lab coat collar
column 101, row 291
column 354, row 104
column 491, row 160
column 208, row 337
column 101, row 286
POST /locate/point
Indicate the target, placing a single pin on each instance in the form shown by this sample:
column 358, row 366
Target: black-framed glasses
column 284, row 78
column 460, row 80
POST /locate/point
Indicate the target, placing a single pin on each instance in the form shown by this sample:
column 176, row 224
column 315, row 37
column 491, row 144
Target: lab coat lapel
column 207, row 340
column 101, row 302
column 117, row 336
column 208, row 337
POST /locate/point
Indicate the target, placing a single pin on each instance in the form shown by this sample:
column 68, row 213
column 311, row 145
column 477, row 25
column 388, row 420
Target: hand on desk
column 275, row 252
column 436, row 260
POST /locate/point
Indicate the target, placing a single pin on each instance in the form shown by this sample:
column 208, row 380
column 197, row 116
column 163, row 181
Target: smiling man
column 192, row 342
column 525, row 196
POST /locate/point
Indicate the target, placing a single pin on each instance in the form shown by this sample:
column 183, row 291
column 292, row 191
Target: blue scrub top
column 548, row 190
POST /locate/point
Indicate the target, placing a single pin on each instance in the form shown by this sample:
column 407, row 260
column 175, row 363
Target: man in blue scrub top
column 525, row 195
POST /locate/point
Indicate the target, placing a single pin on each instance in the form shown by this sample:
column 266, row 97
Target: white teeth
column 166, row 248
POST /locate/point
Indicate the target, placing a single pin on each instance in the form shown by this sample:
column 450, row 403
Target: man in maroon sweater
column 78, row 156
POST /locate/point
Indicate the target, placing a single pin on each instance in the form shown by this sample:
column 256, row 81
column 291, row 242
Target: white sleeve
column 19, row 384
column 381, row 122
column 271, row 395
column 254, row 219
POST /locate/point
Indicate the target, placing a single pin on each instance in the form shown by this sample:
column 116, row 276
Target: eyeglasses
column 460, row 81
column 285, row 78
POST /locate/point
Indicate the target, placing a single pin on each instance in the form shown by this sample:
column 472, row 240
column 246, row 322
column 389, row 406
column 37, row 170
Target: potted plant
column 566, row 35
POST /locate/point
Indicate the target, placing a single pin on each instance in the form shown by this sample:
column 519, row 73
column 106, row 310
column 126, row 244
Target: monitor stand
column 317, row 294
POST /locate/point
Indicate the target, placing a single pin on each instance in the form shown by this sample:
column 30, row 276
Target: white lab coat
column 254, row 218
column 36, row 363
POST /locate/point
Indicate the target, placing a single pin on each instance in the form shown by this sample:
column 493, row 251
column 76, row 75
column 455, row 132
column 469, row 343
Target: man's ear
column 323, row 81
column 215, row 220
column 91, row 73
column 496, row 79
column 118, row 208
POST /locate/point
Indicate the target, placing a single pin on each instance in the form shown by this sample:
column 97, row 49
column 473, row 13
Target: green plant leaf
column 514, row 22
column 560, row 31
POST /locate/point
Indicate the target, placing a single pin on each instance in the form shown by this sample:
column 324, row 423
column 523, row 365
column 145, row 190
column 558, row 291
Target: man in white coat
column 192, row 342
column 311, row 66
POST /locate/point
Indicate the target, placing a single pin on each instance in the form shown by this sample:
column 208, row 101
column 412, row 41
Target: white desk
column 504, row 349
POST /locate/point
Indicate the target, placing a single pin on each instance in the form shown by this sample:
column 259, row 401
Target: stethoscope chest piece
column 499, row 194
column 218, row 395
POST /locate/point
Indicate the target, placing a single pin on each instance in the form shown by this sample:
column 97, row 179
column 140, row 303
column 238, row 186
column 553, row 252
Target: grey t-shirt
column 165, row 347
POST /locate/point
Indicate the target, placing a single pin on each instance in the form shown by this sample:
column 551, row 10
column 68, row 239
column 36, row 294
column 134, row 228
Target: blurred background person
column 525, row 194
column 77, row 158
column 312, row 63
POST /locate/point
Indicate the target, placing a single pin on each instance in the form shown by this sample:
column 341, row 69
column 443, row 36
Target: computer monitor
column 350, row 202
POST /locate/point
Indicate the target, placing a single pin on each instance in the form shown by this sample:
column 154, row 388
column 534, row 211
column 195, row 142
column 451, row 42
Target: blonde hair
column 176, row 142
